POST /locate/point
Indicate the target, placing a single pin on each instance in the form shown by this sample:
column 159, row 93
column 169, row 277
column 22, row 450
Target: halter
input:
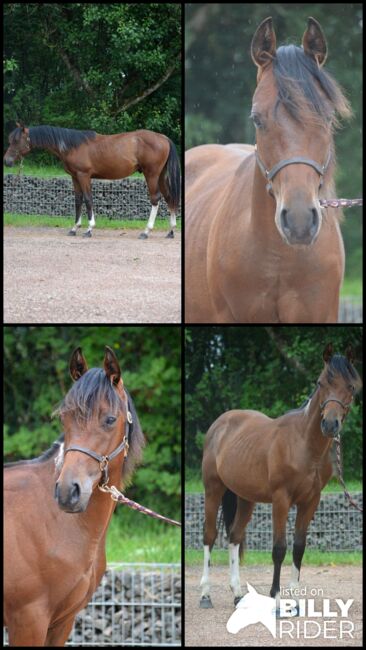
column 346, row 407
column 104, row 460
column 269, row 174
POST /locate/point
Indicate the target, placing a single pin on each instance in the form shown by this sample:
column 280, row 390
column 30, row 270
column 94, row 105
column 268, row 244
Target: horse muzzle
column 72, row 497
column 330, row 428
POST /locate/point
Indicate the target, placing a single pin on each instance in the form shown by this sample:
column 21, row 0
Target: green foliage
column 109, row 67
column 269, row 369
column 37, row 378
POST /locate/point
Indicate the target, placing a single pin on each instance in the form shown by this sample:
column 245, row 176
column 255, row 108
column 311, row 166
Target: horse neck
column 318, row 444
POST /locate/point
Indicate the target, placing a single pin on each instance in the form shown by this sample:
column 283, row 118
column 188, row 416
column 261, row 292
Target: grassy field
column 42, row 171
column 23, row 220
column 138, row 538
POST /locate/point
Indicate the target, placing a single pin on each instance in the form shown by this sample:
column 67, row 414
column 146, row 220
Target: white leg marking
column 205, row 582
column 91, row 223
column 77, row 225
column 152, row 217
column 173, row 220
column 234, row 570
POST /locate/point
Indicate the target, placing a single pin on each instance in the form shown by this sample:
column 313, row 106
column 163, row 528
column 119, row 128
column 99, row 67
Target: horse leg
column 280, row 508
column 172, row 213
column 28, row 626
column 155, row 196
column 78, row 205
column 58, row 634
column 85, row 185
column 244, row 511
column 304, row 516
column 213, row 496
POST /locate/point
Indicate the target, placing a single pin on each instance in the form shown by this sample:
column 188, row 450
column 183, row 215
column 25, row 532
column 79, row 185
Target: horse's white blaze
column 205, row 581
column 234, row 570
column 152, row 217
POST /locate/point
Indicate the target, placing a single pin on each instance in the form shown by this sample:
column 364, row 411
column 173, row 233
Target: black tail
column 229, row 505
column 173, row 177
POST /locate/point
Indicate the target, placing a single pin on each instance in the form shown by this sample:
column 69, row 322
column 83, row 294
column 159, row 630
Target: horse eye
column 257, row 121
column 111, row 419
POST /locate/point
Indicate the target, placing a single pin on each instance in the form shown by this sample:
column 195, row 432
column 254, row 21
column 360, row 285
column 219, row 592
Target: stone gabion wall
column 125, row 199
column 335, row 527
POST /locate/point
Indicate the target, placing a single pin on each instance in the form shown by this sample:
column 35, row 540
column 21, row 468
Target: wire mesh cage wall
column 135, row 605
column 124, row 199
column 335, row 527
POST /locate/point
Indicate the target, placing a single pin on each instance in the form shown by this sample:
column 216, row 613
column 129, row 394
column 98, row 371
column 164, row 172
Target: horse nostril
column 75, row 493
column 315, row 221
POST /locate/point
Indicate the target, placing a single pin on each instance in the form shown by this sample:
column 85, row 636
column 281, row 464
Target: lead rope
column 340, row 203
column 339, row 467
column 116, row 495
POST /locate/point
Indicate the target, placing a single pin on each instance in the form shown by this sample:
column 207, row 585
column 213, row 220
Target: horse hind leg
column 213, row 496
column 155, row 196
column 172, row 211
column 78, row 205
column 243, row 513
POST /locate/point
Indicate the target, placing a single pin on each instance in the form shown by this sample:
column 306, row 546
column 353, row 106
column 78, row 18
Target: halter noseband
column 346, row 407
column 104, row 460
column 269, row 174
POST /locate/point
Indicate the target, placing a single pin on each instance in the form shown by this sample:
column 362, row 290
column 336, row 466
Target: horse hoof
column 72, row 233
column 237, row 600
column 143, row 235
column 87, row 233
column 170, row 235
column 205, row 602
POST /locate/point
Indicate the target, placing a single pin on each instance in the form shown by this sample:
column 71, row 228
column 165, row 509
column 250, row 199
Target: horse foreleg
column 213, row 498
column 58, row 634
column 28, row 626
column 244, row 511
column 304, row 516
column 280, row 508
column 78, row 206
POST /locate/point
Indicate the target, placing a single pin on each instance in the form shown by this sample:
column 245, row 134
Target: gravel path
column 207, row 627
column 114, row 277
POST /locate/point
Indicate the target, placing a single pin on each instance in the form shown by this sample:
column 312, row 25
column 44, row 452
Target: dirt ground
column 113, row 277
column 207, row 627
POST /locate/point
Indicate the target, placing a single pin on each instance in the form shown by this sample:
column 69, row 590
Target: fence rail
column 335, row 527
column 135, row 605
column 350, row 311
column 124, row 199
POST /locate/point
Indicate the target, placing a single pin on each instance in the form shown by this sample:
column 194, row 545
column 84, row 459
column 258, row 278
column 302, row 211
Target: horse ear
column 20, row 125
column 111, row 366
column 314, row 43
column 78, row 365
column 350, row 354
column 263, row 48
column 328, row 353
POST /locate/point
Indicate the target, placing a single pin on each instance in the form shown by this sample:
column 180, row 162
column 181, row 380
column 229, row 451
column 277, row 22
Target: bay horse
column 56, row 518
column 249, row 458
column 258, row 246
column 87, row 154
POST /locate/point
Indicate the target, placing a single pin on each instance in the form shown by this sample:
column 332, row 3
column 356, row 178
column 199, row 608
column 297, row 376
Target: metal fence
column 335, row 527
column 350, row 311
column 135, row 605
column 124, row 199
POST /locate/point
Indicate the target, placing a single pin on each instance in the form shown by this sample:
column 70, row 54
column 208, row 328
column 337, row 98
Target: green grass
column 352, row 288
column 23, row 220
column 317, row 558
column 134, row 537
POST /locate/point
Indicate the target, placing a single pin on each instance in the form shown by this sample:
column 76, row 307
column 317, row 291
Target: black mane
column 339, row 365
column 298, row 77
column 54, row 136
